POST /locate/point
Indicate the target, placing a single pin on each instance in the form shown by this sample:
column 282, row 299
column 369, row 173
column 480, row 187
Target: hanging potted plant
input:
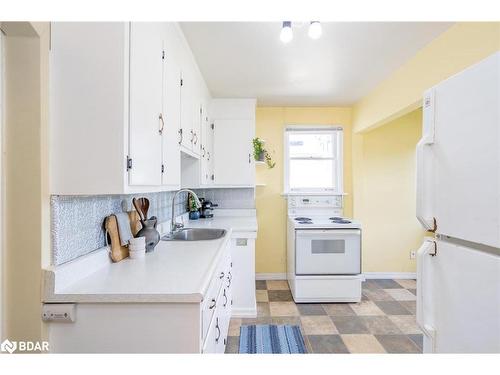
column 261, row 154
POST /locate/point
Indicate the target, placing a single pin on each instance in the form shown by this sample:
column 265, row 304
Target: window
column 313, row 160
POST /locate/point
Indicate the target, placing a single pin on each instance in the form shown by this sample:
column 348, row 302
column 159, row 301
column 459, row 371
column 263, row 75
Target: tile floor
column 383, row 322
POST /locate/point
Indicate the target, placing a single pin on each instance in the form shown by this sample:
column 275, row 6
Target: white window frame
column 338, row 158
column 2, row 189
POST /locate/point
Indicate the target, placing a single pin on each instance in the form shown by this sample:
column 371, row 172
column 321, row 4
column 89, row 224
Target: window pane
column 311, row 145
column 315, row 174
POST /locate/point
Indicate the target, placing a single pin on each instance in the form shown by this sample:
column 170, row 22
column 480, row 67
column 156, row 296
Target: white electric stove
column 323, row 251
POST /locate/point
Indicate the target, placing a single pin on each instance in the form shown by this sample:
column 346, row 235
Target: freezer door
column 464, row 197
column 458, row 298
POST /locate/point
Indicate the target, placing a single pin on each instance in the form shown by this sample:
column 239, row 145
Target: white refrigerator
column 458, row 198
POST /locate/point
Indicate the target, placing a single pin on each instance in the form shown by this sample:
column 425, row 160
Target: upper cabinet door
column 187, row 103
column 146, row 90
column 171, row 134
column 234, row 164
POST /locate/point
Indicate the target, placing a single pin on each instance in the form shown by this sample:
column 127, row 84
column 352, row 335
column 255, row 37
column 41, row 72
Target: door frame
column 2, row 189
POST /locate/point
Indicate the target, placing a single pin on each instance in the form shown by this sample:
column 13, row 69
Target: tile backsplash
column 77, row 221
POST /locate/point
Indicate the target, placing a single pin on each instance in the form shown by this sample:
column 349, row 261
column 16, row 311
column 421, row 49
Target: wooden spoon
column 145, row 207
column 138, row 207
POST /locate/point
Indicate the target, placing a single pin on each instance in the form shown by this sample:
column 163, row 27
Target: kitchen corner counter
column 176, row 272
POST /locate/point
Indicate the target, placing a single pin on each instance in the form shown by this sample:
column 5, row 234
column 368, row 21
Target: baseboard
column 244, row 313
column 390, row 275
column 270, row 276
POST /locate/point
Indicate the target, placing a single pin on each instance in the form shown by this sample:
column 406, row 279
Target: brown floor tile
column 362, row 344
column 364, row 308
column 338, row 309
column 369, row 285
column 280, row 296
column 380, row 325
column 401, row 294
column 413, row 291
column 311, row 309
column 392, row 308
column 386, row 283
column 291, row 320
column 263, row 309
column 260, row 285
column 283, row 309
column 233, row 344
column 406, row 323
column 234, row 327
column 377, row 295
column 407, row 284
column 327, row 344
column 318, row 325
column 277, row 285
column 397, row 344
column 411, row 306
column 256, row 321
column 349, row 324
column 261, row 295
column 418, row 340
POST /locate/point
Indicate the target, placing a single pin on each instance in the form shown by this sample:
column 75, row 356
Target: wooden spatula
column 138, row 207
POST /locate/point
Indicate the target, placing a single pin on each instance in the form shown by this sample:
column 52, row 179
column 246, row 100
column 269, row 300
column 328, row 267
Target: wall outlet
column 58, row 312
column 413, row 254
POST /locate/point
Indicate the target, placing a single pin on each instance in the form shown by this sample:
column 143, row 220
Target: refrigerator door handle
column 424, row 173
column 428, row 248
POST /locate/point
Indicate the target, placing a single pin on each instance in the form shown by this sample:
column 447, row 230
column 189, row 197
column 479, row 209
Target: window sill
column 294, row 193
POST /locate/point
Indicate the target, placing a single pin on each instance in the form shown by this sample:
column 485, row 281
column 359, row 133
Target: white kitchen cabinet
column 146, row 115
column 243, row 280
column 206, row 148
column 116, row 107
column 171, row 166
column 234, row 129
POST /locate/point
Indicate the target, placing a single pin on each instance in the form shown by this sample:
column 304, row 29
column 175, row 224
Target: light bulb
column 286, row 34
column 315, row 30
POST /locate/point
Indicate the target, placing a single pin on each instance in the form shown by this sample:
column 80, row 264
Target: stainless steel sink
column 195, row 234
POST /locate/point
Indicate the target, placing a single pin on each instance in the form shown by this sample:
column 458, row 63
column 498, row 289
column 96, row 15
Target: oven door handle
column 327, row 232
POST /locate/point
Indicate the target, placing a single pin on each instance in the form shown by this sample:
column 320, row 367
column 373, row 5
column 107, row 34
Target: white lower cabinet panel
column 243, row 258
column 152, row 327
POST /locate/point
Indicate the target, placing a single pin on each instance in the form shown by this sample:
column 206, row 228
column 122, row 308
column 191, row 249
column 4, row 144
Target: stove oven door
column 328, row 252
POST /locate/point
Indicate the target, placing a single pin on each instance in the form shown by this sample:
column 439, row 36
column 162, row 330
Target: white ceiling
column 247, row 59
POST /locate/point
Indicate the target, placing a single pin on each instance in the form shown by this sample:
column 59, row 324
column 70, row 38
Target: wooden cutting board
column 119, row 252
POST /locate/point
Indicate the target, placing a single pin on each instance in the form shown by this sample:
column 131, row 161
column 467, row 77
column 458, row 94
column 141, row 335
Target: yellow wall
column 271, row 206
column 385, row 195
column 460, row 46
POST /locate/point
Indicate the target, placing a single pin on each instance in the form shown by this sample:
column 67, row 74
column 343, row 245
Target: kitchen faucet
column 173, row 224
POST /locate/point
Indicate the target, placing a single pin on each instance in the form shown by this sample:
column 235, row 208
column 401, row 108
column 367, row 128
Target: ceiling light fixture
column 286, row 35
column 315, row 30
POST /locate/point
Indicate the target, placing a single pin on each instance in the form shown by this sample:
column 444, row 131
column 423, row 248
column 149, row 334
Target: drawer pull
column 229, row 278
column 225, row 298
column 218, row 330
column 214, row 303
column 221, row 275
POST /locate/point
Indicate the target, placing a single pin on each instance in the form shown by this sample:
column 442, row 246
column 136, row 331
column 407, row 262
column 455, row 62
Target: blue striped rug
column 272, row 339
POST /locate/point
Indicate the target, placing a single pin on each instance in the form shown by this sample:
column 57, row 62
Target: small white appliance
column 458, row 198
column 323, row 250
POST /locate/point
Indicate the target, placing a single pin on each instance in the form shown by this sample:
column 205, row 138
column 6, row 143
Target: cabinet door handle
column 180, row 136
column 192, row 136
column 195, row 138
column 162, row 124
column 221, row 275
column 249, row 157
column 218, row 330
column 225, row 298
column 204, row 152
column 229, row 278
column 208, row 155
column 213, row 304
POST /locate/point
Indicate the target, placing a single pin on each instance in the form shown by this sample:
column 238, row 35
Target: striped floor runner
column 273, row 339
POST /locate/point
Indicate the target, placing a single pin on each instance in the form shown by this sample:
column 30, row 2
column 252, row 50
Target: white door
column 172, row 116
column 146, row 89
column 458, row 178
column 187, row 100
column 233, row 161
column 458, row 298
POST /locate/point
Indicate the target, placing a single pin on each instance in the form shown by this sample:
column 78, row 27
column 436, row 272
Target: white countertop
column 175, row 272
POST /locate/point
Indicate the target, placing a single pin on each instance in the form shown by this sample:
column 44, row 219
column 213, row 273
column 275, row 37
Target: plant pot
column 194, row 215
column 261, row 157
